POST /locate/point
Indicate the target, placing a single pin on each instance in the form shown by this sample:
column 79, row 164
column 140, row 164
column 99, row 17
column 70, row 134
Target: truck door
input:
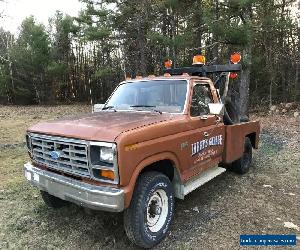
column 206, row 140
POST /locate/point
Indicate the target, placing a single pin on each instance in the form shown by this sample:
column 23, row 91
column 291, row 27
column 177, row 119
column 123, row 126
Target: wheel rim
column 157, row 210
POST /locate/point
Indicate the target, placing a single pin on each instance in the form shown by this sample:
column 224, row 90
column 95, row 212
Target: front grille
column 73, row 154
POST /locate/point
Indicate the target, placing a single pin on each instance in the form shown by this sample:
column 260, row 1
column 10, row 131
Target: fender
column 144, row 163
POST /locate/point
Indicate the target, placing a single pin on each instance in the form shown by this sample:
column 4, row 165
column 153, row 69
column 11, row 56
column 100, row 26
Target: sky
column 14, row 11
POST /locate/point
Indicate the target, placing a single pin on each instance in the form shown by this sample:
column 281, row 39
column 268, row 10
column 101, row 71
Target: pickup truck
column 154, row 140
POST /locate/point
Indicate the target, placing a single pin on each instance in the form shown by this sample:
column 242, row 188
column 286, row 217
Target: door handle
column 206, row 134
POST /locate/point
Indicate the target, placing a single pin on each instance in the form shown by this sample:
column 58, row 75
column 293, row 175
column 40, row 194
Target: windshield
column 158, row 95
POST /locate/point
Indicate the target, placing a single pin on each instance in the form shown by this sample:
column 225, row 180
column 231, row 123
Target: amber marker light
column 107, row 174
column 199, row 60
column 168, row 64
column 235, row 58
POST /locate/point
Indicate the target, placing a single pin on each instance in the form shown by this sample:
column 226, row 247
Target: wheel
column 52, row 201
column 242, row 165
column 149, row 216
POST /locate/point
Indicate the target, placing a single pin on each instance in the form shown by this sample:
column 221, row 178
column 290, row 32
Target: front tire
column 149, row 216
column 52, row 201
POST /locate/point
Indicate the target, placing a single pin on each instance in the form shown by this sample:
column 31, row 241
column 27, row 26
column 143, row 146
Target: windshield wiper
column 110, row 107
column 146, row 106
column 142, row 106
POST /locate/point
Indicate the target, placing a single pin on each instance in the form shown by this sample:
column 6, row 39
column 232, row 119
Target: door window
column 200, row 99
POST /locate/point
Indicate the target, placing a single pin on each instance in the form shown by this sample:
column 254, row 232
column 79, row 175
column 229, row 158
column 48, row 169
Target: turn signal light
column 107, row 174
column 199, row 60
column 235, row 58
column 168, row 64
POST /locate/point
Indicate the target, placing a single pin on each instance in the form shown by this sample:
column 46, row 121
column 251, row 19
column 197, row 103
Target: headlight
column 107, row 154
column 103, row 161
column 102, row 154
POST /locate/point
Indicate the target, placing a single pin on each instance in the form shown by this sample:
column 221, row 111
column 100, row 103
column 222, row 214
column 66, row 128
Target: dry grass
column 228, row 205
column 15, row 119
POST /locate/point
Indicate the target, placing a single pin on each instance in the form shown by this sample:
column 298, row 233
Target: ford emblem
column 54, row 155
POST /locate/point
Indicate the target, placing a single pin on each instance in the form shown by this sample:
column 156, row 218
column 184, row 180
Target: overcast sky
column 14, row 11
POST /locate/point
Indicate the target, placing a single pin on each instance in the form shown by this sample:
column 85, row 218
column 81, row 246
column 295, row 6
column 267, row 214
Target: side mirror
column 97, row 107
column 216, row 108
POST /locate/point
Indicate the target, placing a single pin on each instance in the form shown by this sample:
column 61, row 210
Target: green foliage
column 233, row 34
column 95, row 34
column 34, row 42
column 171, row 3
column 110, row 39
column 94, row 22
column 100, row 73
column 4, row 79
column 31, row 54
column 57, row 69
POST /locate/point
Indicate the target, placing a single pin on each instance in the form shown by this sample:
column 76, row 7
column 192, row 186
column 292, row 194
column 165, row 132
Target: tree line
column 76, row 59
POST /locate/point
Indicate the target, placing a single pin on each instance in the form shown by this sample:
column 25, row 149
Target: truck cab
column 156, row 138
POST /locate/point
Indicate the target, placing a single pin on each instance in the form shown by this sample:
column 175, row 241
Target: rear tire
column 149, row 216
column 52, row 201
column 242, row 165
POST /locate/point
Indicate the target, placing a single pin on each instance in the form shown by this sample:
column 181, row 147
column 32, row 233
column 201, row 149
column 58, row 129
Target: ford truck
column 154, row 140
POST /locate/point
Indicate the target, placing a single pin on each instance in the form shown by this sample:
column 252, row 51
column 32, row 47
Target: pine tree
column 31, row 55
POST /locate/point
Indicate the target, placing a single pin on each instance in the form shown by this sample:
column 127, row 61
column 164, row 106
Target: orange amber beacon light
column 168, row 64
column 235, row 58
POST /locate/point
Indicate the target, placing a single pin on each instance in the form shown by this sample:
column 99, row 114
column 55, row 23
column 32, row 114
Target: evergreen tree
column 83, row 58
column 31, row 55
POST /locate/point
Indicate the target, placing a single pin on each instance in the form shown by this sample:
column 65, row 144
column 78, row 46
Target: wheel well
column 164, row 166
column 252, row 137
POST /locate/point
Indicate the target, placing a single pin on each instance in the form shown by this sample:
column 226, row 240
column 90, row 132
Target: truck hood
column 102, row 126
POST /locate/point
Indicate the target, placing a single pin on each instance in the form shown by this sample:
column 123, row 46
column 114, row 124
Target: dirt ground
column 212, row 217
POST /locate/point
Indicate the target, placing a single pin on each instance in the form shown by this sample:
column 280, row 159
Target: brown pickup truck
column 154, row 140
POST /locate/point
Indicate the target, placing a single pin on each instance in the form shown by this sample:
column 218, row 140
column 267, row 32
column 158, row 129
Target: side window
column 200, row 100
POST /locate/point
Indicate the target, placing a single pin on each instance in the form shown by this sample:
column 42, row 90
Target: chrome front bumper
column 86, row 195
